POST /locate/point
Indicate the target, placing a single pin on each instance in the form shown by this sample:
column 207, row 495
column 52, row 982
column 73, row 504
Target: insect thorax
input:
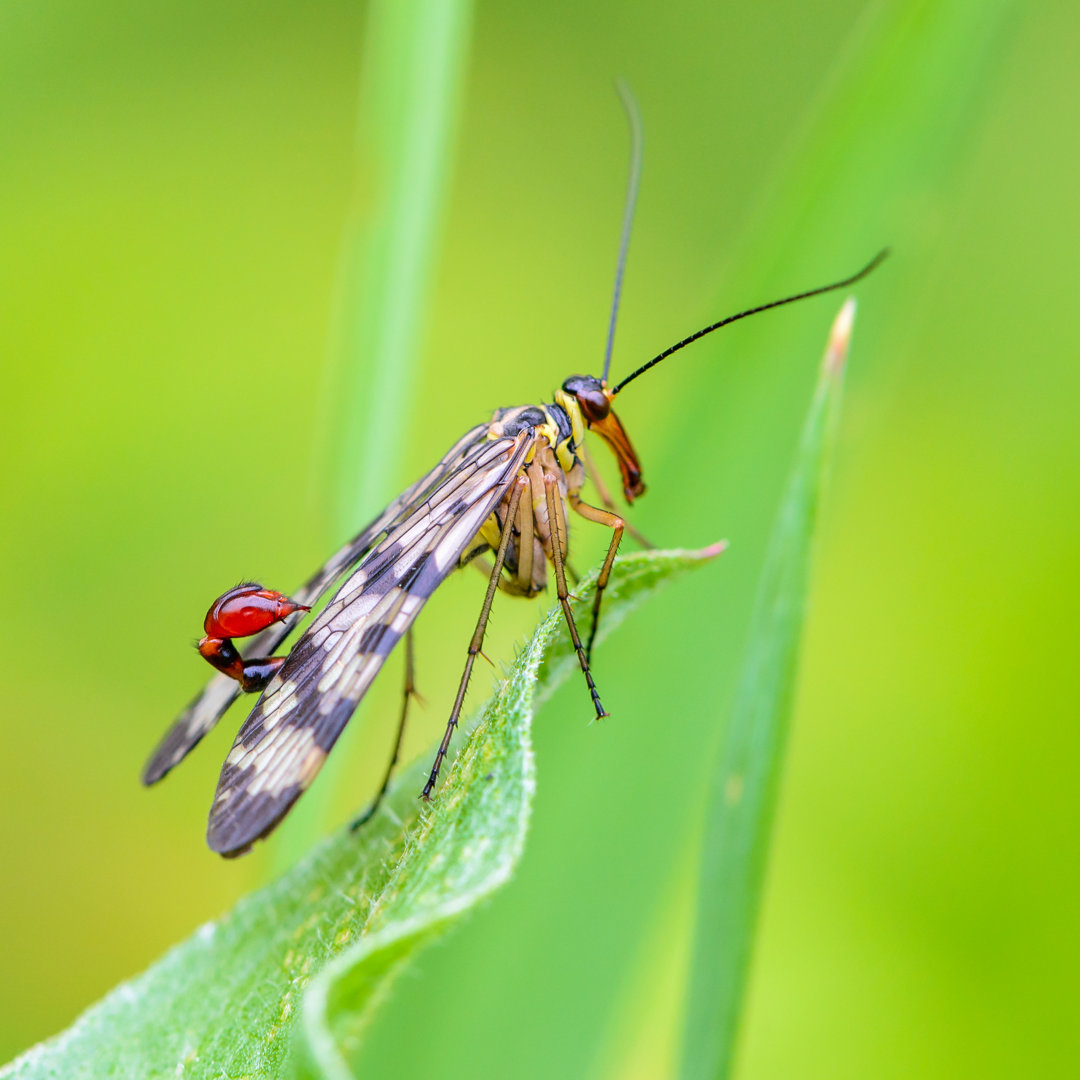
column 558, row 430
column 560, row 423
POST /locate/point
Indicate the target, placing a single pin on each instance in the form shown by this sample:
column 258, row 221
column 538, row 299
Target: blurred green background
column 174, row 184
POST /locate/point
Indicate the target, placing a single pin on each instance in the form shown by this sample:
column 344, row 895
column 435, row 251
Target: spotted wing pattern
column 209, row 706
column 286, row 739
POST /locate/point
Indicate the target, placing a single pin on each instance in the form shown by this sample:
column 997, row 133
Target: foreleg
column 617, row 525
column 557, row 525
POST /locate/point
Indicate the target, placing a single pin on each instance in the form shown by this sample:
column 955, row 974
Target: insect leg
column 526, row 546
column 408, row 693
column 520, row 484
column 557, row 523
column 605, row 497
column 617, row 525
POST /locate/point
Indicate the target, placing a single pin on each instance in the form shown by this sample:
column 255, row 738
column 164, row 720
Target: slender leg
column 616, row 524
column 526, row 546
column 520, row 485
column 605, row 497
column 409, row 693
column 558, row 529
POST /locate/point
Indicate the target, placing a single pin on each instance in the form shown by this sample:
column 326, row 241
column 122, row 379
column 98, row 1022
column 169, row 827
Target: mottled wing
column 296, row 722
column 210, row 705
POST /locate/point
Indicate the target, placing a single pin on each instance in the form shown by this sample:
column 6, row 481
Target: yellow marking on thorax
column 549, row 431
column 573, row 410
column 563, row 450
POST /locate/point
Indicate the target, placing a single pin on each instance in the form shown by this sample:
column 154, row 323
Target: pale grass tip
column 839, row 338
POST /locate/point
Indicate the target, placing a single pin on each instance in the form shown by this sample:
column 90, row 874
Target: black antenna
column 637, row 143
column 871, row 265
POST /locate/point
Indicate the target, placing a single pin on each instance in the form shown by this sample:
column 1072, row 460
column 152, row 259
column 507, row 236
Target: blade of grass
column 323, row 943
column 412, row 74
column 413, row 67
column 740, row 807
column 874, row 164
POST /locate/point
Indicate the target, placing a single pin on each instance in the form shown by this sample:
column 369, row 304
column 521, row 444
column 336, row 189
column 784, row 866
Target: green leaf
column 302, row 964
column 738, row 816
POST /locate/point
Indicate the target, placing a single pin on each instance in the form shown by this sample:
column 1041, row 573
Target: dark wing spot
column 417, row 567
column 377, row 638
column 231, row 835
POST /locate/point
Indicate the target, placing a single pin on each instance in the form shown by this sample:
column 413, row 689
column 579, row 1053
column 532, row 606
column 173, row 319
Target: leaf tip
column 839, row 339
column 713, row 550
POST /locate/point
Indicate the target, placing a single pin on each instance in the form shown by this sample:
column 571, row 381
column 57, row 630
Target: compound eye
column 594, row 405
